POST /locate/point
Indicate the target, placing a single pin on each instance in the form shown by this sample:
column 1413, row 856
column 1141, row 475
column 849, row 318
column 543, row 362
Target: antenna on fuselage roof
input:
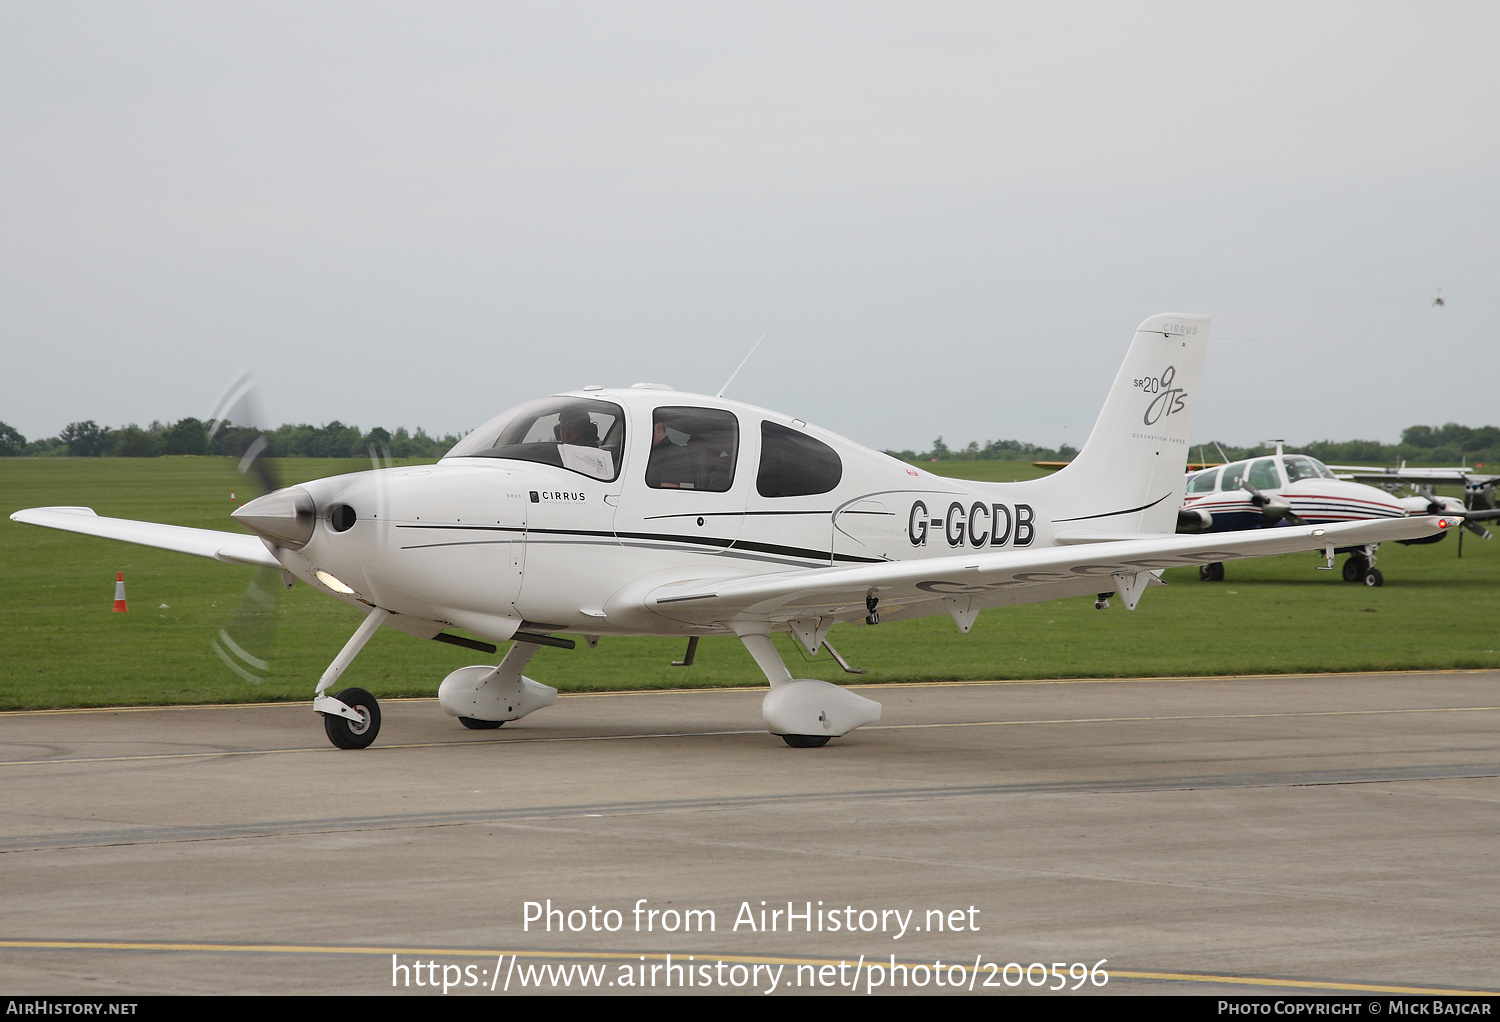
column 739, row 367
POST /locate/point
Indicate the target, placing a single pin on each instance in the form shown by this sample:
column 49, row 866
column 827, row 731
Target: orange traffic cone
column 120, row 607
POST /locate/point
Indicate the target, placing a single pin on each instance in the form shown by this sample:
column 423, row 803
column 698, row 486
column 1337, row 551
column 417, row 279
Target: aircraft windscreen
column 578, row 434
column 1301, row 467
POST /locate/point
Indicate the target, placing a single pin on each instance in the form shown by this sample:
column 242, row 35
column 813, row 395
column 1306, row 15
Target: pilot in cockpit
column 575, row 427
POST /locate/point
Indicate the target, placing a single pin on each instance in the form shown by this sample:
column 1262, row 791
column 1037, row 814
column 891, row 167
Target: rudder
column 1130, row 473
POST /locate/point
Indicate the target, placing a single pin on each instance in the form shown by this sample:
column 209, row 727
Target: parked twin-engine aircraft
column 643, row 511
column 1282, row 490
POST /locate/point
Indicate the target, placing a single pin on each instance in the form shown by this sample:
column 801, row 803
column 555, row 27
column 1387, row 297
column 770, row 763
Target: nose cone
column 284, row 517
column 1276, row 507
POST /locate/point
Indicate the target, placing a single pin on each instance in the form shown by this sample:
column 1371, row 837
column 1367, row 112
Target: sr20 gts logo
column 1168, row 398
column 978, row 525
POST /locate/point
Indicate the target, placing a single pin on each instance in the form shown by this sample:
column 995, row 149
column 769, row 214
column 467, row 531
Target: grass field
column 63, row 645
column 986, row 471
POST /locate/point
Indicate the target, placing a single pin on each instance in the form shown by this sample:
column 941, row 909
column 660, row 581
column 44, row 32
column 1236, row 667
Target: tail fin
column 1129, row 476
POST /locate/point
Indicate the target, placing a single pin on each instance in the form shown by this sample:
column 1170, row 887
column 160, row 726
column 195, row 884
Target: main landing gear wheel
column 475, row 724
column 1373, row 577
column 805, row 741
column 1354, row 570
column 349, row 734
column 1211, row 572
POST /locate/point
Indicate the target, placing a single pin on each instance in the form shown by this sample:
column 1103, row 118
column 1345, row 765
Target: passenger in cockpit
column 671, row 466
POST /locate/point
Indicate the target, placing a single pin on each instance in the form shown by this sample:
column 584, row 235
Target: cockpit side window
column 1203, row 482
column 1232, row 476
column 693, row 449
column 1263, row 474
column 793, row 464
column 582, row 435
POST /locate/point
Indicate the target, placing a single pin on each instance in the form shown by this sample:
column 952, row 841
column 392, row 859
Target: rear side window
column 793, row 464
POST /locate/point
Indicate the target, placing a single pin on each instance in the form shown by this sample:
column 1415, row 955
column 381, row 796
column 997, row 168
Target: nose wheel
column 354, row 734
column 351, row 718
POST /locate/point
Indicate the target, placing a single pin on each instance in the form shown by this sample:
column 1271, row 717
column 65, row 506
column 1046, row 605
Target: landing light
column 334, row 584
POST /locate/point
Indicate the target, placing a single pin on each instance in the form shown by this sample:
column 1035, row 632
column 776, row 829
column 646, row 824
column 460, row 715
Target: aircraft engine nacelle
column 1194, row 519
column 816, row 709
column 1431, row 504
column 484, row 693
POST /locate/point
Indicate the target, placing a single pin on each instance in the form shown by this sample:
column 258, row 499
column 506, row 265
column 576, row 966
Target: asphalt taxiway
column 1228, row 836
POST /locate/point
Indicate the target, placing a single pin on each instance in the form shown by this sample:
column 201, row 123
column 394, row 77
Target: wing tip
column 29, row 514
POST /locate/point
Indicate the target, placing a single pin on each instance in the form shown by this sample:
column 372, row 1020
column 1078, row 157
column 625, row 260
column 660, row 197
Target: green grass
column 64, row 646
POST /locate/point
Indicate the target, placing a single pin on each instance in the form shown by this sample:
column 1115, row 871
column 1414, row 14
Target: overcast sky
column 946, row 218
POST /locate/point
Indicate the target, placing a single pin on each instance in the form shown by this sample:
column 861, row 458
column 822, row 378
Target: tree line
column 1447, row 443
column 88, row 439
column 993, row 450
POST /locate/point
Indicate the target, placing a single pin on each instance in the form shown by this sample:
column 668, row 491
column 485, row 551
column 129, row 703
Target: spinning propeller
column 1440, row 506
column 244, row 643
column 1275, row 509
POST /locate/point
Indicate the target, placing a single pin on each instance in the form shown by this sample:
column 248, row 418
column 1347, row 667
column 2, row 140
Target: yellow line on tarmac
column 530, row 739
column 762, row 688
column 324, row 749
column 657, row 956
column 1139, row 679
column 1183, row 716
column 1301, row 984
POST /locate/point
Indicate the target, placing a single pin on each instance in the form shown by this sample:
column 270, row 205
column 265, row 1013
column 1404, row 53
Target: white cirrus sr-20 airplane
column 643, row 511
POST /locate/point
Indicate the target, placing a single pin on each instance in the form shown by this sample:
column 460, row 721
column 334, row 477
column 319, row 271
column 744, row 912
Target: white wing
column 971, row 581
column 1428, row 476
column 221, row 546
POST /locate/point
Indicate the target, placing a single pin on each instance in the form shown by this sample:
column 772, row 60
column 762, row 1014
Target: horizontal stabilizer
column 232, row 547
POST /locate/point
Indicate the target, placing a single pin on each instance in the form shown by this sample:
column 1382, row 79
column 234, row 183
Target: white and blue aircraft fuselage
column 1285, row 490
column 644, row 511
